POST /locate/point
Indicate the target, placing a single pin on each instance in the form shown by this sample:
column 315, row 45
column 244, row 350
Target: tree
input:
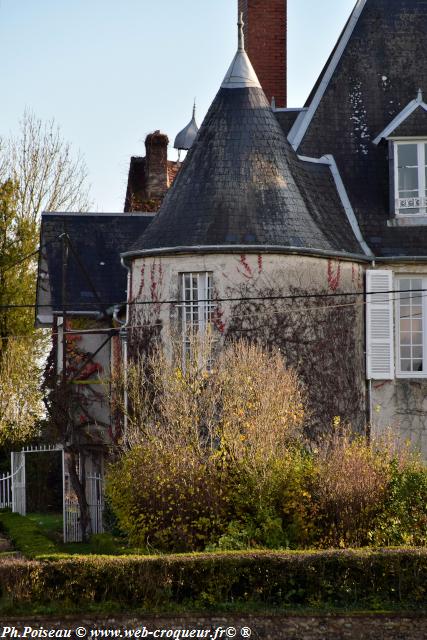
column 38, row 171
column 49, row 177
column 20, row 345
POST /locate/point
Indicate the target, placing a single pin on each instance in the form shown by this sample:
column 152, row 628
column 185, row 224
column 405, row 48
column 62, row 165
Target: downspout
column 124, row 341
column 370, row 412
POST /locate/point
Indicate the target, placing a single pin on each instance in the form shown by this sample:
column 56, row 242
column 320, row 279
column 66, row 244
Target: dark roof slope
column 237, row 187
column 378, row 74
column 98, row 240
column 286, row 118
column 414, row 125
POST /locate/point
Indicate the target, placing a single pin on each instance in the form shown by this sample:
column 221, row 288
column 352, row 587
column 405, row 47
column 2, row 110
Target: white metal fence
column 95, row 499
column 5, row 491
column 19, row 503
column 13, row 493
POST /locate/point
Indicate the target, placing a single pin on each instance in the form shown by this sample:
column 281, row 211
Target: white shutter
column 379, row 325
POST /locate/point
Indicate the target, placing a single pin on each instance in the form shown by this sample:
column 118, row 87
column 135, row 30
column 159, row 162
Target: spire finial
column 241, row 24
column 420, row 96
column 194, row 109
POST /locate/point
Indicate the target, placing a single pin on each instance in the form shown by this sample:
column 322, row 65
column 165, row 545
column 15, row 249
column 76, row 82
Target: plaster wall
column 156, row 279
column 94, row 387
column 401, row 404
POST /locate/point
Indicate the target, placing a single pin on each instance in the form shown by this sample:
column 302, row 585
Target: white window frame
column 419, row 201
column 196, row 310
column 397, row 279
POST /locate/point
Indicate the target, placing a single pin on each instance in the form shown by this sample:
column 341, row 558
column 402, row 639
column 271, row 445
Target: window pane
column 417, row 365
column 411, row 325
column 407, row 155
column 405, row 337
column 405, row 365
column 405, row 325
column 417, row 352
column 417, row 325
column 405, row 352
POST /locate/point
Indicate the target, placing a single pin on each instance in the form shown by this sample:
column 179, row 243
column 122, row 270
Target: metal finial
column 194, row 109
column 241, row 24
column 420, row 96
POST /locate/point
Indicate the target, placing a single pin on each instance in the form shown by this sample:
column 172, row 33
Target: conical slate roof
column 237, row 187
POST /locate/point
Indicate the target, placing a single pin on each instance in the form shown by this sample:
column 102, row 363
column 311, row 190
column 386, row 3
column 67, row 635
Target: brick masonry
column 266, row 44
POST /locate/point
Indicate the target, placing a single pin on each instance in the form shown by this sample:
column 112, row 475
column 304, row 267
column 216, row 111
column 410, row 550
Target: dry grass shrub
column 198, row 441
column 349, row 489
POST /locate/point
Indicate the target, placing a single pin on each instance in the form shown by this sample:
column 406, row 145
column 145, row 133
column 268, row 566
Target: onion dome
column 185, row 138
column 240, row 186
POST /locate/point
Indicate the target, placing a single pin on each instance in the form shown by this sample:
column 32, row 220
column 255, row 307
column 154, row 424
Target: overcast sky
column 111, row 71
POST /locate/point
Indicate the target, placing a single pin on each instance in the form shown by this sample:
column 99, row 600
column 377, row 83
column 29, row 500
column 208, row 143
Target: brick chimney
column 156, row 165
column 266, row 44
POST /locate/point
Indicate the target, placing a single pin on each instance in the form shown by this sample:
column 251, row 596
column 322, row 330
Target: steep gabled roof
column 98, row 239
column 414, row 125
column 376, row 70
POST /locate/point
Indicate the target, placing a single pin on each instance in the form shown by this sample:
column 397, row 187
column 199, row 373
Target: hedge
column 368, row 580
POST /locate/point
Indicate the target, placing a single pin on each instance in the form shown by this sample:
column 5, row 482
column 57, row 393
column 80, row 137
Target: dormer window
column 410, row 177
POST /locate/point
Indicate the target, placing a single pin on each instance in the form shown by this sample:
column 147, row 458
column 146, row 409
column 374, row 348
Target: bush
column 340, row 579
column 205, row 449
column 168, row 500
column 348, row 491
column 403, row 519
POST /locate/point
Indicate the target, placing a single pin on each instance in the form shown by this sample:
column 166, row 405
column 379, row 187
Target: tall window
column 411, row 177
column 411, row 333
column 196, row 306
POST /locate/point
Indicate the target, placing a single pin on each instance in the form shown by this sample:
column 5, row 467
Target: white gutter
column 345, row 200
column 401, row 117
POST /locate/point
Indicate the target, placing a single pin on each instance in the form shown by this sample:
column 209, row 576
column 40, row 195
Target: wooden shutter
column 379, row 325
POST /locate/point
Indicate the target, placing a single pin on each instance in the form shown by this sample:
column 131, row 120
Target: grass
column 40, row 534
column 49, row 523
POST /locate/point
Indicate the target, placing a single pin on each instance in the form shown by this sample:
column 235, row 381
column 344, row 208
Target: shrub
column 403, row 519
column 349, row 488
column 205, row 448
column 340, row 579
column 168, row 500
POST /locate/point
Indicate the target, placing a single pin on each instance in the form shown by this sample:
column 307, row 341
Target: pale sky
column 111, row 71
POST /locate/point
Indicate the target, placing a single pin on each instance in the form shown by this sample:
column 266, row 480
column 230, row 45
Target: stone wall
column 322, row 337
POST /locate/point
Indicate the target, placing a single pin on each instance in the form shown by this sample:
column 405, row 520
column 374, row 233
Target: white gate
column 17, row 460
column 95, row 500
column 13, row 494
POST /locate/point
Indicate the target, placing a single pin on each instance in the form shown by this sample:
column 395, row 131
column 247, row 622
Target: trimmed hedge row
column 342, row 579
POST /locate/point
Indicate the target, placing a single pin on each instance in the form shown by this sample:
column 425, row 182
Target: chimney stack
column 156, row 165
column 266, row 44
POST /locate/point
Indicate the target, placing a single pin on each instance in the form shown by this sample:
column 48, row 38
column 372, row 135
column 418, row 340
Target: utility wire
column 87, row 306
column 101, row 331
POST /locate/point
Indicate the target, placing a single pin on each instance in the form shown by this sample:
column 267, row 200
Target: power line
column 87, row 306
column 148, row 325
